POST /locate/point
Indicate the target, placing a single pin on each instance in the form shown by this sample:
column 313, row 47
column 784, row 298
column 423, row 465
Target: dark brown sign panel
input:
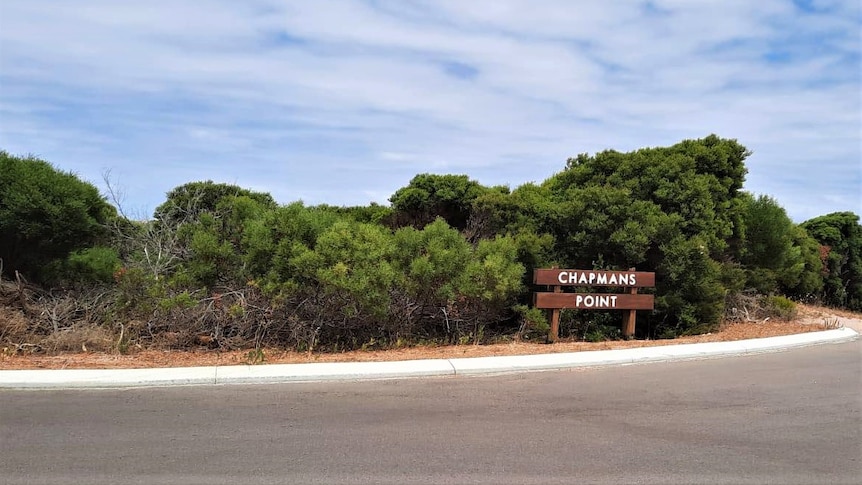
column 595, row 301
column 578, row 277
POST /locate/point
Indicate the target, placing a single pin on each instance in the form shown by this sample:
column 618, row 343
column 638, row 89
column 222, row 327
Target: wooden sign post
column 557, row 278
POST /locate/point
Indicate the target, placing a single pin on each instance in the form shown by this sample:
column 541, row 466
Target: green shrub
column 602, row 333
column 97, row 264
column 139, row 292
column 493, row 273
column 780, row 307
column 355, row 260
column 432, row 260
column 590, row 325
column 533, row 322
column 181, row 301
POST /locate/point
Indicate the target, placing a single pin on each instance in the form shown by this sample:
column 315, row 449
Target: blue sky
column 344, row 101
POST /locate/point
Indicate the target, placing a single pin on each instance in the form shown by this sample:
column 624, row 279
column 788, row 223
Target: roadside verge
column 351, row 371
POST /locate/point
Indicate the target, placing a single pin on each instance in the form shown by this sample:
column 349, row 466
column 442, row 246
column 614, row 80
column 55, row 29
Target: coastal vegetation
column 449, row 261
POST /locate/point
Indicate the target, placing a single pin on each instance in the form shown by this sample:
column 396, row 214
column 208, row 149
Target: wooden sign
column 577, row 277
column 594, row 301
column 556, row 301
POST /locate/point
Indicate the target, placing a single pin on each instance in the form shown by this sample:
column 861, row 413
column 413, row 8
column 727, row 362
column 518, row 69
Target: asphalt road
column 784, row 418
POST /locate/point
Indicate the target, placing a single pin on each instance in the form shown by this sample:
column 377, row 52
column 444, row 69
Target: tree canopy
column 45, row 215
column 429, row 196
column 840, row 237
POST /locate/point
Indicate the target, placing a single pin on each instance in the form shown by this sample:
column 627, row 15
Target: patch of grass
column 255, row 356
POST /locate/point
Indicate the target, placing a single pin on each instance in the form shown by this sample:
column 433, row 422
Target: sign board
column 577, row 277
column 556, row 301
column 594, row 301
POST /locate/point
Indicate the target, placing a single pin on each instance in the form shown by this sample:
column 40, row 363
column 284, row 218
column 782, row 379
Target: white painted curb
column 258, row 374
column 103, row 378
column 519, row 363
column 253, row 374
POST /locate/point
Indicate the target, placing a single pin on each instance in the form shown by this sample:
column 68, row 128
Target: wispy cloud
column 340, row 101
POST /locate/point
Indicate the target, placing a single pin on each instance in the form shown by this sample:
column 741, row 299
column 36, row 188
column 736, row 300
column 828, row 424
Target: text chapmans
column 589, row 278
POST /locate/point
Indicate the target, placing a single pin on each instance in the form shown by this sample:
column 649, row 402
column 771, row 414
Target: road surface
column 787, row 417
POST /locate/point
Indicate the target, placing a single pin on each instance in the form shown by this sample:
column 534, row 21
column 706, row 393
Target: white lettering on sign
column 596, row 301
column 592, row 278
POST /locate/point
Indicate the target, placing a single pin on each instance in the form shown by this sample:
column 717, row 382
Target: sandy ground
column 810, row 319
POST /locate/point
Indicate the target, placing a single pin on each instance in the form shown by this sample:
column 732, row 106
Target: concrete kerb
column 106, row 378
column 342, row 371
column 499, row 365
column 236, row 374
column 284, row 373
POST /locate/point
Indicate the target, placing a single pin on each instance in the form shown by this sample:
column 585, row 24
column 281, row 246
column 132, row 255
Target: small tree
column 187, row 201
column 429, row 196
column 776, row 254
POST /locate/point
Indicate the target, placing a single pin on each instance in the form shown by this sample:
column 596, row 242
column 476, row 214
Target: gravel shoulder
column 810, row 319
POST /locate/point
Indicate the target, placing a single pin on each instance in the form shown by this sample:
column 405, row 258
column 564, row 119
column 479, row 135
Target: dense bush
column 45, row 214
column 96, row 264
column 450, row 262
column 328, row 280
column 354, row 283
column 670, row 210
column 840, row 237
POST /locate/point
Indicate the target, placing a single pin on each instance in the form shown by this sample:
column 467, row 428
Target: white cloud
column 332, row 102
